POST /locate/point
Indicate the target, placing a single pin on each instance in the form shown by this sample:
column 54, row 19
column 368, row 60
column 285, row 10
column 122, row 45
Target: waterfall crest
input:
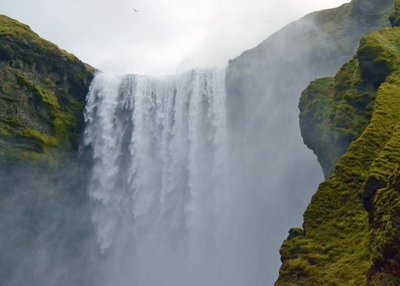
column 191, row 186
column 159, row 153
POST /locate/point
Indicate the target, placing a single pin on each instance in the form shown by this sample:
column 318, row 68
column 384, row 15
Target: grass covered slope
column 350, row 234
column 324, row 39
column 334, row 112
column 42, row 94
column 315, row 46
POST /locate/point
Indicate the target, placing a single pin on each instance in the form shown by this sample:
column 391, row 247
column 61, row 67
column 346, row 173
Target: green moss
column 385, row 230
column 15, row 30
column 4, row 133
column 395, row 16
column 45, row 96
column 44, row 139
column 60, row 121
column 42, row 94
column 334, row 112
column 378, row 56
column 299, row 268
column 351, row 228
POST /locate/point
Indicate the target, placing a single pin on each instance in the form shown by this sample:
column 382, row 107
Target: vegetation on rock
column 351, row 228
column 395, row 16
column 42, row 94
column 44, row 215
column 335, row 111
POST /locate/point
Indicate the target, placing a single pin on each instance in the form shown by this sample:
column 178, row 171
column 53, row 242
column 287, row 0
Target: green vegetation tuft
column 334, row 112
column 395, row 16
column 16, row 31
column 46, row 97
column 44, row 139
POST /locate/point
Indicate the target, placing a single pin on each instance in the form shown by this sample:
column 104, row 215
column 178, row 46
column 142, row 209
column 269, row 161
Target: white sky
column 165, row 37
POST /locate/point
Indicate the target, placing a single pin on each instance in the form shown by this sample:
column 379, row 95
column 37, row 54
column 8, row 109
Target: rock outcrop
column 42, row 94
column 43, row 204
column 350, row 234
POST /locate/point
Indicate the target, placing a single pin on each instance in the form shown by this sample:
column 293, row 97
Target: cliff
column 314, row 46
column 44, row 216
column 263, row 88
column 350, row 234
column 42, row 94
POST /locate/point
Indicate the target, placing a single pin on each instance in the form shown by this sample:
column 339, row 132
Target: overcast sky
column 165, row 36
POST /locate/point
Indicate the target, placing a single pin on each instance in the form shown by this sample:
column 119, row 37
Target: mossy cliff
column 314, row 46
column 42, row 94
column 43, row 213
column 351, row 228
column 335, row 111
column 263, row 87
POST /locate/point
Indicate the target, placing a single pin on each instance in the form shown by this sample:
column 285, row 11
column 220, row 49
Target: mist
column 165, row 37
column 47, row 234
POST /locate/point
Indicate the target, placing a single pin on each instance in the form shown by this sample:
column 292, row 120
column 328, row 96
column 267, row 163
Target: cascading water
column 187, row 189
column 158, row 181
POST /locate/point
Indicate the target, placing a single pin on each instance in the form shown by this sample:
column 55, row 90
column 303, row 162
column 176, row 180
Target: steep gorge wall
column 263, row 87
column 350, row 234
column 42, row 94
column 44, row 220
column 314, row 46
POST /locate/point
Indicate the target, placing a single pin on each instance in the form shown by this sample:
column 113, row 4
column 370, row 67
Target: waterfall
column 159, row 174
column 189, row 186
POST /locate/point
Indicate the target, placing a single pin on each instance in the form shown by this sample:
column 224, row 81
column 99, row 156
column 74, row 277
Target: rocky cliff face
column 330, row 119
column 44, row 219
column 42, row 94
column 263, row 86
column 350, row 234
column 317, row 44
column 312, row 47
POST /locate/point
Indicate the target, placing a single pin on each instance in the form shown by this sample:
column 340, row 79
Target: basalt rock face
column 44, row 219
column 350, row 234
column 330, row 119
column 314, row 46
column 42, row 94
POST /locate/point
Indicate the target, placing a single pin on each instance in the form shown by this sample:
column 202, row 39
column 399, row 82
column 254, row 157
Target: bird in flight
column 135, row 10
